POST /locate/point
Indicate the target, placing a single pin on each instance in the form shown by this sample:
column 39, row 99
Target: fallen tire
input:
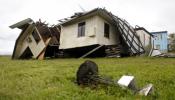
column 86, row 71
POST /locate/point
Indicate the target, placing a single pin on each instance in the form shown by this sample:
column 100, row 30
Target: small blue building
column 160, row 41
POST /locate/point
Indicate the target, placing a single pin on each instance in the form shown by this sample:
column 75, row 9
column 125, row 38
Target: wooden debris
column 112, row 51
column 39, row 37
column 148, row 89
column 93, row 50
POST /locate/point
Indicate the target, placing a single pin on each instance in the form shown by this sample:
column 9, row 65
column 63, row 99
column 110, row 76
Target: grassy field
column 54, row 79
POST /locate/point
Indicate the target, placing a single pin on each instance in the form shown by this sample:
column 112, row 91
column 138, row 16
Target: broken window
column 36, row 36
column 81, row 29
column 106, row 30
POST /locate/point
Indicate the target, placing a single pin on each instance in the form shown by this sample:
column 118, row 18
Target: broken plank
column 93, row 50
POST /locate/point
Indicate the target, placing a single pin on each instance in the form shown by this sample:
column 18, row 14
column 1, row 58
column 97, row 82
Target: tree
column 171, row 40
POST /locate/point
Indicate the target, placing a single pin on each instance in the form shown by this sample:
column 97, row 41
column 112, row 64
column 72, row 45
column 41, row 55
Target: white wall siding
column 35, row 48
column 144, row 37
column 113, row 35
column 69, row 35
column 94, row 34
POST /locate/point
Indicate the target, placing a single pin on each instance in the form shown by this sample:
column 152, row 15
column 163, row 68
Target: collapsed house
column 36, row 40
column 97, row 33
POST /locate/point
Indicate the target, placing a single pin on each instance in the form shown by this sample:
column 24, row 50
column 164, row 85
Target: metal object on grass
column 88, row 74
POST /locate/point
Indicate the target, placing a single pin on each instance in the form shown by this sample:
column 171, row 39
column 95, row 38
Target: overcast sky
column 154, row 15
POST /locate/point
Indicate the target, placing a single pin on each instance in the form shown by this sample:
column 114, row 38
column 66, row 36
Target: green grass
column 54, row 79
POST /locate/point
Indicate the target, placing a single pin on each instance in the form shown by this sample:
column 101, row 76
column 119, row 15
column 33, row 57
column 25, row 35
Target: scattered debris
column 127, row 81
column 148, row 89
column 155, row 52
column 113, row 51
column 86, row 71
column 93, row 50
column 87, row 74
column 170, row 55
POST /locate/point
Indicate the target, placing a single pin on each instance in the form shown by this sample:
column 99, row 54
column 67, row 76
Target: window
column 158, row 47
column 81, row 29
column 106, row 30
column 36, row 36
column 161, row 36
column 157, row 37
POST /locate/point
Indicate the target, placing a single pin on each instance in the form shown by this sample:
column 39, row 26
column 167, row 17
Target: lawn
column 53, row 79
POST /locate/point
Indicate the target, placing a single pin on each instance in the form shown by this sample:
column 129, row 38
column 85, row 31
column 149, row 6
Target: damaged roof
column 142, row 28
column 83, row 15
column 28, row 26
column 22, row 23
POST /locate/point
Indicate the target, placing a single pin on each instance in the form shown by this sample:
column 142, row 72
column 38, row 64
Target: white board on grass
column 125, row 80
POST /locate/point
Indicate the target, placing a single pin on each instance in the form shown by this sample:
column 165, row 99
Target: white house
column 99, row 27
column 89, row 29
